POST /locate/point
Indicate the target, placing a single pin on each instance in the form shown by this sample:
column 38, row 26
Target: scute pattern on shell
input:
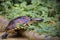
column 21, row 20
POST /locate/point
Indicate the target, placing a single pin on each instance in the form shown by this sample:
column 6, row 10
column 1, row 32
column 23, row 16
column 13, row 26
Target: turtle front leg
column 4, row 36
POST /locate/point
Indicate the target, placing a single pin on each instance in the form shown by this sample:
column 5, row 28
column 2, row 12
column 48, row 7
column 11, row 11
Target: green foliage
column 45, row 9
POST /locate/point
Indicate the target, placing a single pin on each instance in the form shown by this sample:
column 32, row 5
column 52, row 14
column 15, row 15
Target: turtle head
column 37, row 19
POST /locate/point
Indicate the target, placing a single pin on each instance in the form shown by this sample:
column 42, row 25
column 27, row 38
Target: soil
column 24, row 38
column 14, row 38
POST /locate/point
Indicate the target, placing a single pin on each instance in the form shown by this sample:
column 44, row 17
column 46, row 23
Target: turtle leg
column 18, row 34
column 4, row 36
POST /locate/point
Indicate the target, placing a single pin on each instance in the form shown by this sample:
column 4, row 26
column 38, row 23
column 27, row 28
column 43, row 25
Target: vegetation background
column 49, row 10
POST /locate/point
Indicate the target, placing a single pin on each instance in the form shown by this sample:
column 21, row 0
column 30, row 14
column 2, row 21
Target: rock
column 33, row 36
column 3, row 23
column 55, row 38
column 48, row 38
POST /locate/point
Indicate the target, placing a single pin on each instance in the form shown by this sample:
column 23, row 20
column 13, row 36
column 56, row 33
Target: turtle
column 24, row 20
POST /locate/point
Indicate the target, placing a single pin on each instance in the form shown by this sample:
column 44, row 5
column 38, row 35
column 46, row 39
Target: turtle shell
column 19, row 20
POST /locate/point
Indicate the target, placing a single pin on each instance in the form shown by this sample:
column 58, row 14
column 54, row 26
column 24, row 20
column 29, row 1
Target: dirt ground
column 13, row 38
column 24, row 38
